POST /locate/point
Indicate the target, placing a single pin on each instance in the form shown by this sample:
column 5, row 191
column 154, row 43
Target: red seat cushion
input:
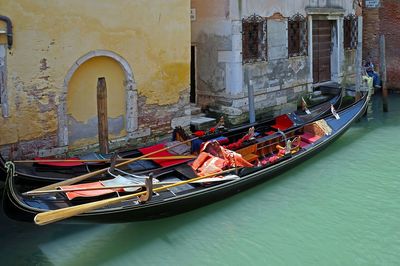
column 282, row 122
column 309, row 138
column 163, row 163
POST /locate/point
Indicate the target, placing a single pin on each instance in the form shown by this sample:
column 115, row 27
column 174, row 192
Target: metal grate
column 350, row 32
column 297, row 35
column 254, row 39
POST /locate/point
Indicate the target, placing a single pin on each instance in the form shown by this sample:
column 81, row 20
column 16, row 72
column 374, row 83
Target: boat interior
column 262, row 148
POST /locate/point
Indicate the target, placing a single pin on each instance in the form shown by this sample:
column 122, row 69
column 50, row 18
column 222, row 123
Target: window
column 254, row 39
column 297, row 36
column 350, row 32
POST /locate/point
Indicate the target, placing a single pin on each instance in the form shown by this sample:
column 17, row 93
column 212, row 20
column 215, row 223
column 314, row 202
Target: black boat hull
column 15, row 209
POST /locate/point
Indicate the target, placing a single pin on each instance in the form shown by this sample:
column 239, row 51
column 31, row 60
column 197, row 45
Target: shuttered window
column 254, row 39
column 297, row 36
column 350, row 32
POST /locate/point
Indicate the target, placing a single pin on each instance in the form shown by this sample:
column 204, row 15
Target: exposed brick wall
column 386, row 21
column 371, row 34
column 389, row 15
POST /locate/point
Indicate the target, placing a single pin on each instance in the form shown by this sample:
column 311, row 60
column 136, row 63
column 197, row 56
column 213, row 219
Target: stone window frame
column 297, row 35
column 254, row 39
column 130, row 88
column 350, row 25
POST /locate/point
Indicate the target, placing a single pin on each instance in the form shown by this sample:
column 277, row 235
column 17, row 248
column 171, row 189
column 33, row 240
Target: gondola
column 46, row 171
column 182, row 187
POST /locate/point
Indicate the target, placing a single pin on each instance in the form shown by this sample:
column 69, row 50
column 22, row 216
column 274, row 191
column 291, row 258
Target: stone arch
column 130, row 89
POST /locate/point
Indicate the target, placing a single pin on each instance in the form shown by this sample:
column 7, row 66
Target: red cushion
column 199, row 133
column 282, row 122
column 163, row 163
column 309, row 138
column 88, row 193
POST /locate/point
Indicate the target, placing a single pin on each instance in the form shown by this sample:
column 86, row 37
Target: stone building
column 275, row 50
column 53, row 52
column 382, row 18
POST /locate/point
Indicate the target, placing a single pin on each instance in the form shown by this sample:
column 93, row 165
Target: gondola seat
column 162, row 153
column 309, row 137
column 249, row 153
column 282, row 122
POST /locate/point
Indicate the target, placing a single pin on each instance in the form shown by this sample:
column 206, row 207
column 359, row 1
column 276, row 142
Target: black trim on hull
column 15, row 207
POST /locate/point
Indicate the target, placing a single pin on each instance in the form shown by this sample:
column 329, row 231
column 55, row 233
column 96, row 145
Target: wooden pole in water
column 102, row 114
column 382, row 50
column 359, row 58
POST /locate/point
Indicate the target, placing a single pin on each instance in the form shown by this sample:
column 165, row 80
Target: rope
column 10, row 167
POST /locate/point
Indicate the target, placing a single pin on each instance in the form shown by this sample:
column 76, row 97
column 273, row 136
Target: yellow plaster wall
column 82, row 94
column 49, row 36
column 210, row 9
column 82, row 89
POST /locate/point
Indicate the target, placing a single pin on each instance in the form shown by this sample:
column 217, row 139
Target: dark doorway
column 322, row 50
column 193, row 74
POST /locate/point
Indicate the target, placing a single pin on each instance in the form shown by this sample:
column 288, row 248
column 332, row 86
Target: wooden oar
column 41, row 192
column 100, row 171
column 64, row 213
column 177, row 157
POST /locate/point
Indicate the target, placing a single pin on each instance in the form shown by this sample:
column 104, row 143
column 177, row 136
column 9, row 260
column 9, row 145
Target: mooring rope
column 10, row 167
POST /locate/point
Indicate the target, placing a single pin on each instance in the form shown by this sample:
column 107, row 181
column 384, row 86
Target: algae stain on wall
column 82, row 101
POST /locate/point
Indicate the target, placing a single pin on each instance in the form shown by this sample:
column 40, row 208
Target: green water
column 342, row 207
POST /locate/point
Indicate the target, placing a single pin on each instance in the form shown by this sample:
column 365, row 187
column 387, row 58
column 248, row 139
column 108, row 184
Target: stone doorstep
column 194, row 110
column 202, row 123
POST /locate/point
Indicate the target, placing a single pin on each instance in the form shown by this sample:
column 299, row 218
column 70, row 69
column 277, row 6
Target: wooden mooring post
column 102, row 114
column 382, row 52
column 359, row 57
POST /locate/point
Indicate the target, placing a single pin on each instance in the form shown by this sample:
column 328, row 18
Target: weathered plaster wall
column 82, row 102
column 278, row 82
column 348, row 67
column 212, row 35
column 49, row 36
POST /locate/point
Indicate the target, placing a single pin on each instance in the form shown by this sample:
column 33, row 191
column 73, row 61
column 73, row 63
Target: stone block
column 281, row 100
column 183, row 121
column 274, row 88
column 139, row 133
column 52, row 151
column 203, row 123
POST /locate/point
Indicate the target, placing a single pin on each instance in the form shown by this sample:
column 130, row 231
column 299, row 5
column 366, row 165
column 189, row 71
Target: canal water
column 342, row 207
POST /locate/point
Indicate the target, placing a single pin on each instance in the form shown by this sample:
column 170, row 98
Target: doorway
column 322, row 41
column 193, row 74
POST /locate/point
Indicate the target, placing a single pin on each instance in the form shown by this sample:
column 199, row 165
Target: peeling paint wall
column 82, row 101
column 50, row 36
column 223, row 80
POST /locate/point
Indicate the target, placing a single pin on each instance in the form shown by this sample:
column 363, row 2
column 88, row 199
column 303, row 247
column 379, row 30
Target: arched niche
column 130, row 90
